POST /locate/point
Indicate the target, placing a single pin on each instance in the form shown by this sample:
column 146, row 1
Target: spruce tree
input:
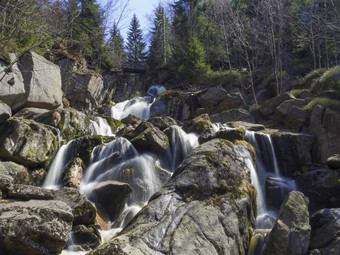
column 116, row 46
column 159, row 48
column 135, row 45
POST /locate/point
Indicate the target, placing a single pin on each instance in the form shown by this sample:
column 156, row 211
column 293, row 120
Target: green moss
column 323, row 101
column 246, row 144
column 297, row 92
column 308, row 80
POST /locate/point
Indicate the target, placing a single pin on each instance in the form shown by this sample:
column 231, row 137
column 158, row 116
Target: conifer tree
column 135, row 43
column 160, row 47
column 116, row 46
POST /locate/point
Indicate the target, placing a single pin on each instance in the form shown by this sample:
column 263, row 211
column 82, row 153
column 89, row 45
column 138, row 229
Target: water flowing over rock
column 35, row 228
column 291, row 232
column 193, row 212
column 325, row 232
column 26, row 142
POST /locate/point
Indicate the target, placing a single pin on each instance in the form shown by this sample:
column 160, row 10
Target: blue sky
column 143, row 9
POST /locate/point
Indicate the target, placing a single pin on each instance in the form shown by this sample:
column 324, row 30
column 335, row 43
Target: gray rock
column 8, row 170
column 198, row 125
column 110, row 198
column 233, row 115
column 26, row 142
column 5, row 112
column 83, row 211
column 295, row 119
column 86, row 238
column 35, row 227
column 231, row 134
column 193, row 213
column 325, row 228
column 291, row 232
column 12, row 88
column 334, row 161
column 325, row 126
column 26, row 192
column 322, row 188
column 73, row 173
column 42, row 82
column 270, row 106
column 147, row 136
column 163, row 122
column 216, row 100
column 247, row 125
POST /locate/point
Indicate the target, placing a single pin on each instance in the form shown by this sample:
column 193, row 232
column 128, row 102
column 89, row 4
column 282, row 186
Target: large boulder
column 216, row 100
column 291, row 232
column 293, row 150
column 236, row 114
column 35, row 227
column 12, row 88
column 82, row 209
column 322, row 187
column 269, row 106
column 325, row 237
column 87, row 238
column 26, row 142
column 8, row 171
column 325, row 126
column 110, row 198
column 5, row 112
column 147, row 136
column 198, row 124
column 208, row 206
column 26, row 192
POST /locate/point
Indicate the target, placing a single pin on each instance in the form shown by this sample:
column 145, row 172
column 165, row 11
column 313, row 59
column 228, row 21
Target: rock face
column 26, row 142
column 322, row 188
column 8, row 170
column 5, row 112
column 110, row 198
column 325, row 126
column 233, row 115
column 147, row 136
column 291, row 232
column 38, row 227
column 325, row 232
column 269, row 106
column 195, row 213
column 32, row 82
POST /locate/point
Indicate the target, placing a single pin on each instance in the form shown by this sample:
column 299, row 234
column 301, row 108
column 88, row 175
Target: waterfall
column 180, row 145
column 56, row 170
column 100, row 127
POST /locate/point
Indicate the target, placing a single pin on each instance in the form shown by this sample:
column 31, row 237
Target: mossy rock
column 231, row 134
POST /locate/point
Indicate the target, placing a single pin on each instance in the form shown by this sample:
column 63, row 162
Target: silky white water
column 100, row 126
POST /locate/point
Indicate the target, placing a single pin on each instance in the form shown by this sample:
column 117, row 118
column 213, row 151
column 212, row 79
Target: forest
column 227, row 42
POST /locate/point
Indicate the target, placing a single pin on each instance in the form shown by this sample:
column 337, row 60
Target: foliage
column 323, row 101
column 135, row 43
column 308, row 80
column 116, row 46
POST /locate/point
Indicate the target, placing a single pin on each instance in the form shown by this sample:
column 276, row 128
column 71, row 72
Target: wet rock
column 325, row 126
column 198, row 125
column 34, row 227
column 293, row 151
column 291, row 232
column 233, row 115
column 193, row 211
column 73, row 173
column 325, row 230
column 163, row 122
column 216, row 100
column 270, row 106
column 207, row 135
column 276, row 191
column 231, row 134
column 110, row 198
column 26, row 142
column 322, row 188
column 147, row 136
column 247, row 125
column 5, row 112
column 86, row 238
column 83, row 211
column 27, row 192
column 179, row 105
column 131, row 120
column 334, row 161
column 8, row 171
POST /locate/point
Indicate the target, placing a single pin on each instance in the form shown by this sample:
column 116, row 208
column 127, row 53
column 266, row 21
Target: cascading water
column 100, row 126
column 119, row 161
column 53, row 178
column 267, row 166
